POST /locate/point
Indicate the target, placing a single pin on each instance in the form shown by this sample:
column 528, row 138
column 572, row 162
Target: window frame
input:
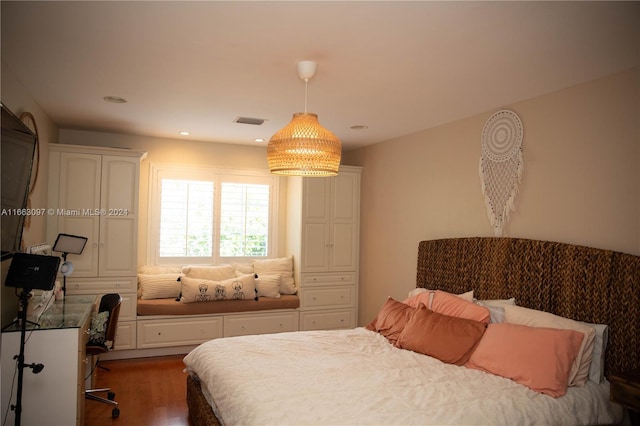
column 217, row 175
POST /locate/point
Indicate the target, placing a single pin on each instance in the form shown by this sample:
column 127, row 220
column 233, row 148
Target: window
column 244, row 219
column 210, row 216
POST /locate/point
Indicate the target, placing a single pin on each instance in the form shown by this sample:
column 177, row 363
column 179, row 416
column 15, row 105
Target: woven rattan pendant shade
column 304, row 148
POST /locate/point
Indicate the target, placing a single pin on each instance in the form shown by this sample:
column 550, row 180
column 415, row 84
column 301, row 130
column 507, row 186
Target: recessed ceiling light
column 183, row 133
column 115, row 99
column 359, row 127
column 259, row 140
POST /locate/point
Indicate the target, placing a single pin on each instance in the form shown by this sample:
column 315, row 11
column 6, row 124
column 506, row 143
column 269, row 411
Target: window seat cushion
column 173, row 307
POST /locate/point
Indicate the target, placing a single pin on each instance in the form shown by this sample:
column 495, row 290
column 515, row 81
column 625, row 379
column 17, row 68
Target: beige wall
column 581, row 183
column 18, row 100
column 175, row 151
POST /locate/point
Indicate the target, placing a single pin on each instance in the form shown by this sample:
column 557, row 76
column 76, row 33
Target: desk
column 55, row 396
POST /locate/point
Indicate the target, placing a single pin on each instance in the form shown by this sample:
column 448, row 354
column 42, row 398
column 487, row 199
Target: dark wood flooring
column 150, row 392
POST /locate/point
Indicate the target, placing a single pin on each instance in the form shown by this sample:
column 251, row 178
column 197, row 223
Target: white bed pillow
column 213, row 273
column 282, row 266
column 496, row 308
column 596, row 369
column 531, row 317
column 159, row 286
column 201, row 290
column 268, row 285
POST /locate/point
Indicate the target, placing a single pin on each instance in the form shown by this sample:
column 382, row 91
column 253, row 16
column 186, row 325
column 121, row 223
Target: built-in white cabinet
column 93, row 192
column 193, row 330
column 323, row 216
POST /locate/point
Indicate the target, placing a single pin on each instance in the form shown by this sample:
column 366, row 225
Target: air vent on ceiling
column 249, row 120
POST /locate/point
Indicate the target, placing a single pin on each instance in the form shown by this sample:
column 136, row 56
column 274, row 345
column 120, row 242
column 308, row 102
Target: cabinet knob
column 95, row 245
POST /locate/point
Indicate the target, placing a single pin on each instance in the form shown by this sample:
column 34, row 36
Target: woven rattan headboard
column 582, row 283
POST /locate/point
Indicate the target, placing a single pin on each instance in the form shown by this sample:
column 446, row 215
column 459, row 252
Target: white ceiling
column 396, row 67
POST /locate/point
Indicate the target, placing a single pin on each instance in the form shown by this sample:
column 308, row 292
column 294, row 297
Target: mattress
column 357, row 377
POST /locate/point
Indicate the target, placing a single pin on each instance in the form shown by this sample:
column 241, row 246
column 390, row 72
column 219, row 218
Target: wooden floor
column 150, row 392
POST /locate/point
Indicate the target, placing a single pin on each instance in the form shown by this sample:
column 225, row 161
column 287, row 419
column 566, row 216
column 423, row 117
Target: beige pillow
column 282, row 266
column 580, row 369
column 268, row 286
column 201, row 290
column 154, row 269
column 213, row 273
column 240, row 269
column 159, row 286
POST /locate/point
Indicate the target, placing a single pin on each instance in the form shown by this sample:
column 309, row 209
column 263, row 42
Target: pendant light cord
column 306, row 86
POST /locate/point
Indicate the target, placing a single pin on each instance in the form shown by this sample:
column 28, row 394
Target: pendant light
column 303, row 147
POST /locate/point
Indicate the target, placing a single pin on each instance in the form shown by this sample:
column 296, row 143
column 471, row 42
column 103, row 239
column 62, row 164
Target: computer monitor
column 32, row 271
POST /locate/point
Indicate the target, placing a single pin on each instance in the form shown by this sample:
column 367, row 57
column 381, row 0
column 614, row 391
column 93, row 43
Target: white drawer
column 344, row 278
column 327, row 320
column 101, row 285
column 177, row 332
column 331, row 297
column 125, row 336
column 242, row 325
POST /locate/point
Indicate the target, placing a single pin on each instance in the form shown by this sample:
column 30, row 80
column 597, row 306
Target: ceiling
column 395, row 67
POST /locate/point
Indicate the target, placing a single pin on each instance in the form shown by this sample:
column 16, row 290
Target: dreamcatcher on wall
column 501, row 166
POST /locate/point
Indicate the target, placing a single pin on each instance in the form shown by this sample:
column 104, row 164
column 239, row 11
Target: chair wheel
column 115, row 413
column 111, row 396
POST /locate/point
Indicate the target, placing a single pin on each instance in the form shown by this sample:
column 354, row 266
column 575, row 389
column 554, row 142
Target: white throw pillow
column 282, row 266
column 268, row 285
column 159, row 286
column 213, row 273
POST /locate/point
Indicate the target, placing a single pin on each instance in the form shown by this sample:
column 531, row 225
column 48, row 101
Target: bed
column 358, row 377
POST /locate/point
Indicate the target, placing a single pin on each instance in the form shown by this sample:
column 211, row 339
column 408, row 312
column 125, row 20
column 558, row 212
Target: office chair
column 110, row 303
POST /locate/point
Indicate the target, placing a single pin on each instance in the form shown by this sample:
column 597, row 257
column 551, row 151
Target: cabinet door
column 80, row 176
column 119, row 218
column 330, row 223
column 344, row 219
column 316, row 224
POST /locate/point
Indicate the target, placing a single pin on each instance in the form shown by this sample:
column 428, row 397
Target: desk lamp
column 68, row 244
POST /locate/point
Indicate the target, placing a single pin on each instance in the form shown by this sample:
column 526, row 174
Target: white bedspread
column 356, row 377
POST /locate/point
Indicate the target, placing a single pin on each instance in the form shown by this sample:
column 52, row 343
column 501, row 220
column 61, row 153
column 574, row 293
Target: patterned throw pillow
column 98, row 329
column 201, row 290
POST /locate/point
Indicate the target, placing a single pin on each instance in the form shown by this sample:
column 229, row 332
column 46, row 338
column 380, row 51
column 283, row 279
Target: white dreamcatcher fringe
column 495, row 181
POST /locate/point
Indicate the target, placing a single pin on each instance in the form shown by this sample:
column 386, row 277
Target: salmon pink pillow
column 534, row 318
column 422, row 296
column 391, row 319
column 449, row 339
column 449, row 304
column 537, row 357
